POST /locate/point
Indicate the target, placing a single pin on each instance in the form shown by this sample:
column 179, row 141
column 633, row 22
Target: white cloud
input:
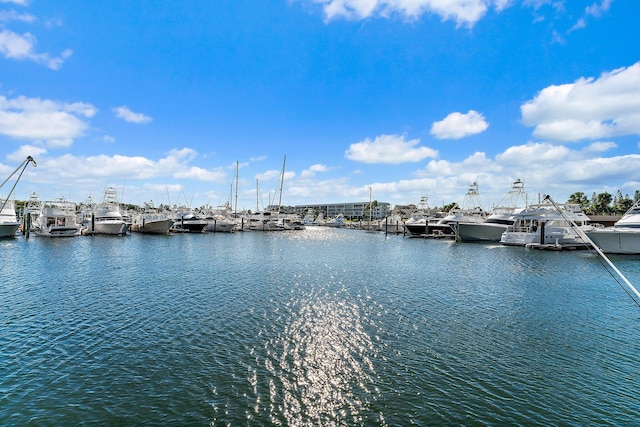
column 459, row 125
column 20, row 2
column 43, row 120
column 12, row 15
column 532, row 154
column 268, row 175
column 462, row 12
column 589, row 108
column 597, row 9
column 391, row 149
column 20, row 47
column 600, row 147
column 26, row 150
column 177, row 164
column 129, row 116
column 313, row 169
column 545, row 168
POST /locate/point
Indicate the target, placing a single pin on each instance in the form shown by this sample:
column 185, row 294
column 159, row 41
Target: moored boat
column 58, row 219
column 469, row 210
column 8, row 222
column 265, row 221
column 336, row 221
column 502, row 216
column 31, row 213
column 150, row 220
column 218, row 223
column 186, row 222
column 106, row 217
column 623, row 237
column 546, row 224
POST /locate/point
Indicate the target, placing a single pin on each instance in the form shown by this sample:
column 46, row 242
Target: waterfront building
column 351, row 211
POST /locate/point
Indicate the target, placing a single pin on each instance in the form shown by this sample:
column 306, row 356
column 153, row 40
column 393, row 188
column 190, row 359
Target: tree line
column 604, row 203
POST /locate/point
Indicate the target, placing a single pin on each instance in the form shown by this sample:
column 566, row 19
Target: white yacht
column 495, row 224
column 416, row 224
column 8, row 222
column 185, row 221
column 32, row 213
column 392, row 224
column 150, row 221
column 106, row 217
column 219, row 223
column 469, row 210
column 337, row 221
column 58, row 219
column 544, row 224
column 265, row 221
column 623, row 237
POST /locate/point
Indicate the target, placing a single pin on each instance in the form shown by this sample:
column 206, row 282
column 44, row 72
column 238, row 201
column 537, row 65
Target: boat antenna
column 586, row 238
column 166, row 187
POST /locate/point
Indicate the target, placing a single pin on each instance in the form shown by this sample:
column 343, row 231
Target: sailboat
column 370, row 226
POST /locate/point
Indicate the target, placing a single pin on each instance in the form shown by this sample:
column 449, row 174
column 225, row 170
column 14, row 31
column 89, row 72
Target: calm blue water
column 315, row 327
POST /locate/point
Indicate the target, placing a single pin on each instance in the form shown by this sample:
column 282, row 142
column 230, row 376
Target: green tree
column 447, row 208
column 602, row 204
column 579, row 198
column 622, row 204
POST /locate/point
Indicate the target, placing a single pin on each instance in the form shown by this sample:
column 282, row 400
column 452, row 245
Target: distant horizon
column 410, row 98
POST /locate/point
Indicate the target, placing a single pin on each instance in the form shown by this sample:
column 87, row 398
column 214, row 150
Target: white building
column 352, row 211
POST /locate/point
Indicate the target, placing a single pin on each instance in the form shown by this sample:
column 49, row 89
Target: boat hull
column 189, row 226
column 58, row 232
column 220, row 226
column 478, row 232
column 113, row 228
column 417, row 229
column 161, row 226
column 616, row 241
column 8, row 229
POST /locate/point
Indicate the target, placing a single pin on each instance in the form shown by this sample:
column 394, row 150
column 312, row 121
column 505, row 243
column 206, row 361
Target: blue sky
column 410, row 98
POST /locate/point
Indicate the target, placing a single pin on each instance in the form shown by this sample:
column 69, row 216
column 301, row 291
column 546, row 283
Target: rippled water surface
column 315, row 327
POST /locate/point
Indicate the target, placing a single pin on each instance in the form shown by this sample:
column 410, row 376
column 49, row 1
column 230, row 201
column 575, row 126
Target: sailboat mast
column 281, row 183
column 236, row 208
column 257, row 195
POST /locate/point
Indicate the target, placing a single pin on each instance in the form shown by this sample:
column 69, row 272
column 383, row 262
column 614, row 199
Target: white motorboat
column 623, row 237
column 495, row 224
column 218, row 223
column 265, row 221
column 416, row 224
column 319, row 220
column 32, row 213
column 187, row 222
column 469, row 210
column 8, row 222
column 150, row 221
column 392, row 224
column 58, row 219
column 291, row 222
column 544, row 224
column 106, row 217
column 337, row 221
